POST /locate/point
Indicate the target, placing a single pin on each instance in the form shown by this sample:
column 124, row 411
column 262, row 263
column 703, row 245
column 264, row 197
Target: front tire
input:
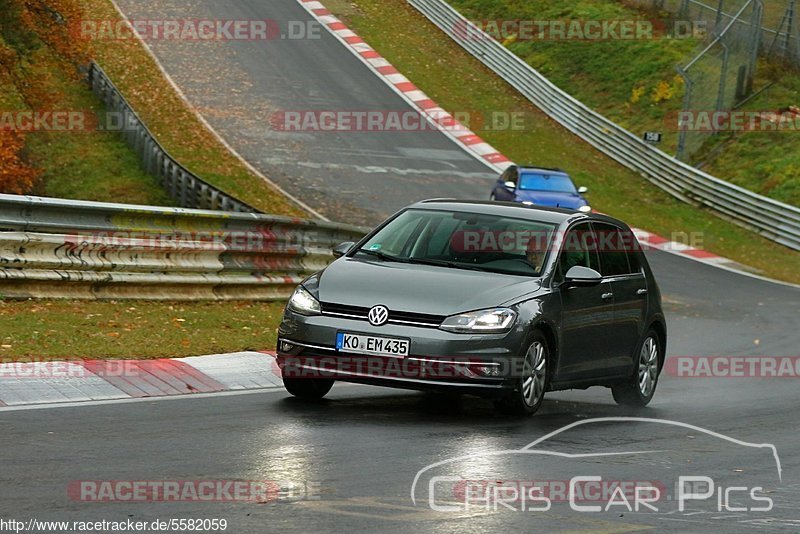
column 639, row 389
column 308, row 388
column 528, row 393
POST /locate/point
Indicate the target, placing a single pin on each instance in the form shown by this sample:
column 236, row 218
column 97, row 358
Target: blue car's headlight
column 585, row 209
column 488, row 321
column 303, row 302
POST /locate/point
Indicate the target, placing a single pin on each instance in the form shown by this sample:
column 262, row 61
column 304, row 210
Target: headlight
column 303, row 302
column 585, row 209
column 488, row 321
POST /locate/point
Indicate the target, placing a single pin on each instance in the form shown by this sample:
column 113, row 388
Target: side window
column 510, row 174
column 579, row 248
column 613, row 249
column 633, row 250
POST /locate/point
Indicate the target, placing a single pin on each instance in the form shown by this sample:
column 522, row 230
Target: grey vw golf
column 496, row 299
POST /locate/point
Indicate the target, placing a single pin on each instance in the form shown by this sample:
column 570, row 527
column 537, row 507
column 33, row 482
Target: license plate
column 377, row 346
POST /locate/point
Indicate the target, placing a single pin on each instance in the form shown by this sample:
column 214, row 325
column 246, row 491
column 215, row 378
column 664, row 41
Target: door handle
column 641, row 291
column 606, row 296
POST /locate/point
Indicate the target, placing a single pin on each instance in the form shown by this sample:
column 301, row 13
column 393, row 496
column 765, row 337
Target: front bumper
column 437, row 360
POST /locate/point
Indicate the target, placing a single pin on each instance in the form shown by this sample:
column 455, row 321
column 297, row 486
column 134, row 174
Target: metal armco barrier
column 187, row 189
column 774, row 220
column 93, row 250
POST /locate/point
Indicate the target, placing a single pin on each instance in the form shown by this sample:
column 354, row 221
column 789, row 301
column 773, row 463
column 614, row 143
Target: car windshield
column 534, row 181
column 461, row 240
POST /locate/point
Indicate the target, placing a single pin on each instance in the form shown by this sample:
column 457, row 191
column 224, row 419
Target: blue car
column 540, row 186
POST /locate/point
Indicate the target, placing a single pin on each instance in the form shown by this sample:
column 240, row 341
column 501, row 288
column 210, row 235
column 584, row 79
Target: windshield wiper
column 445, row 263
column 381, row 255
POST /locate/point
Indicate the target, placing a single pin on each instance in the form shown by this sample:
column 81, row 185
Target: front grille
column 341, row 309
column 395, row 317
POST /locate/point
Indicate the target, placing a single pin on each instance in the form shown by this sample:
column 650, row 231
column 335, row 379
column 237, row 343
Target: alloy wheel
column 648, row 366
column 534, row 373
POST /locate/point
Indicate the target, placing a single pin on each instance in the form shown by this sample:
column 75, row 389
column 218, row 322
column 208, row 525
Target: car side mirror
column 582, row 276
column 510, row 185
column 583, row 189
column 342, row 248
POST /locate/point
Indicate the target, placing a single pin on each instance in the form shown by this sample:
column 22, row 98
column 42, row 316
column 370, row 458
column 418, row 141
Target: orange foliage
column 16, row 176
column 55, row 22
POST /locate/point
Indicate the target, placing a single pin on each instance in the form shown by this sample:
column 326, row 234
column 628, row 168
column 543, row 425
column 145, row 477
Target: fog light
column 489, row 370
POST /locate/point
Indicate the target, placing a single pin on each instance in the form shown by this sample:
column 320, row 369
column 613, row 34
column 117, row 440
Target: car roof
column 541, row 169
column 515, row 209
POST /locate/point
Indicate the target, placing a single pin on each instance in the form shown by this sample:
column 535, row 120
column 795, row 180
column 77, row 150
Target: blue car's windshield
column 534, row 181
column 463, row 241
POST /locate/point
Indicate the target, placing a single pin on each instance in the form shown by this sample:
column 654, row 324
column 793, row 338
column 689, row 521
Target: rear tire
column 492, row 197
column 528, row 393
column 639, row 389
column 308, row 388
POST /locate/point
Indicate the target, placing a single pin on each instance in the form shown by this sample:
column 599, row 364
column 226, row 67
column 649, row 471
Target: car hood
column 416, row 288
column 551, row 199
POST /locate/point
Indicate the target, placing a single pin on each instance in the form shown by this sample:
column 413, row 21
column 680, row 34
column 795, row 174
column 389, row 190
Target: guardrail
column 186, row 188
column 774, row 220
column 93, row 250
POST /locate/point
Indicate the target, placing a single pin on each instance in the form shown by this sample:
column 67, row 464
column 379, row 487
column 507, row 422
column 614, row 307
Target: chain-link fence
column 720, row 73
column 779, row 28
column 784, row 40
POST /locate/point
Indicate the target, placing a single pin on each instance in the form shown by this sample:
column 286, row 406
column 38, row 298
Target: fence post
column 687, row 99
column 723, row 77
column 718, row 20
column 755, row 42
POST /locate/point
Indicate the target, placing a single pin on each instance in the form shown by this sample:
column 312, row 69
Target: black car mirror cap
column 342, row 248
column 582, row 276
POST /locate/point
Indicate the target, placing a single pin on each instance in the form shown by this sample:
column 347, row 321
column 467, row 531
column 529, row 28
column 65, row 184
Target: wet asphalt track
column 241, row 86
column 363, row 446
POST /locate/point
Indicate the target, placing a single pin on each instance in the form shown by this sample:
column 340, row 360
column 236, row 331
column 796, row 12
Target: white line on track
column 192, row 396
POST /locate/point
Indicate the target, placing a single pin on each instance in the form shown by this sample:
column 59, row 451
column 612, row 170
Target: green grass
column 773, row 157
column 98, row 165
column 58, row 329
column 75, row 164
column 459, row 82
column 174, row 123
